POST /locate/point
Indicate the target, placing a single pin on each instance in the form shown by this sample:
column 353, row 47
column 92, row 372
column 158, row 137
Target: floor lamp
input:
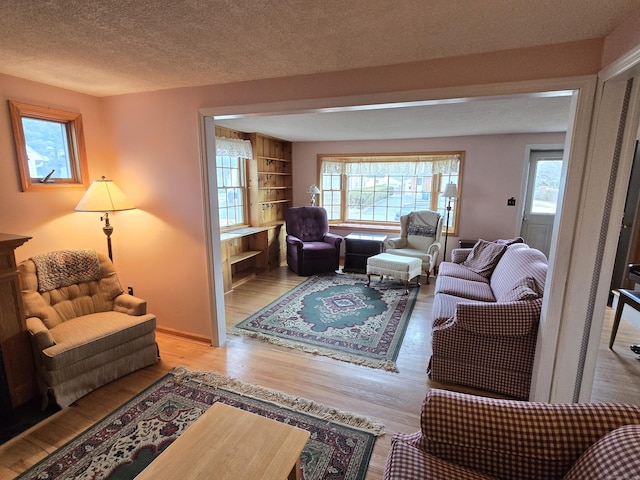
column 104, row 196
column 451, row 191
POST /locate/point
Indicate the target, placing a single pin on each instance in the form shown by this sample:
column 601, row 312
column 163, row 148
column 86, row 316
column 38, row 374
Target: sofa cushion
column 484, row 257
column 524, row 289
column 83, row 337
column 517, row 261
column 616, row 455
column 465, row 289
column 450, row 269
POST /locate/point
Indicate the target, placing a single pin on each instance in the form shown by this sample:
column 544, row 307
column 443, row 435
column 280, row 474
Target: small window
column 49, row 147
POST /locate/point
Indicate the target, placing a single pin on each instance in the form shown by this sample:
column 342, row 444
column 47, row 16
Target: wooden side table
column 358, row 247
column 227, row 443
column 627, row 297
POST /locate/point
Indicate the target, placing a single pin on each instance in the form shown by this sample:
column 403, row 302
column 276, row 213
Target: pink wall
column 49, row 217
column 149, row 144
column 492, row 172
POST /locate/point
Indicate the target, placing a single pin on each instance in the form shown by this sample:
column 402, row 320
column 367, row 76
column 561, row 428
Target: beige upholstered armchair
column 84, row 330
column 419, row 238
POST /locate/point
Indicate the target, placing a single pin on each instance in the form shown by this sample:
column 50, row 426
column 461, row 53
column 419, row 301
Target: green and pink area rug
column 338, row 316
column 123, row 443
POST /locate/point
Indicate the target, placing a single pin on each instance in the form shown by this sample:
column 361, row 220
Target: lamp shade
column 313, row 189
column 104, row 196
column 451, row 191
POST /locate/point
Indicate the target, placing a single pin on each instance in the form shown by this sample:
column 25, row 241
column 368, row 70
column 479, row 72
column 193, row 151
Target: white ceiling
column 480, row 116
column 112, row 47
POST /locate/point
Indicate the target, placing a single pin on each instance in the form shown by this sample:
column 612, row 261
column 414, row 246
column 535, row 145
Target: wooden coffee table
column 230, row 443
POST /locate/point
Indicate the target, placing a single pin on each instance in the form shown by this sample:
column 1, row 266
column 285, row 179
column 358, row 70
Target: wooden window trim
column 75, row 140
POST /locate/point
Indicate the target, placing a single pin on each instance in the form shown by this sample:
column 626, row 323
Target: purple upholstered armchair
column 310, row 247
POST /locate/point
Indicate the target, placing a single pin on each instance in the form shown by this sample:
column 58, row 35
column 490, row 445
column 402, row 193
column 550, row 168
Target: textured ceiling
column 110, row 47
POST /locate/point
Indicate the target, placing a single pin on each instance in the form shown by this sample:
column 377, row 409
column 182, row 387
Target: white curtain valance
column 409, row 165
column 234, row 147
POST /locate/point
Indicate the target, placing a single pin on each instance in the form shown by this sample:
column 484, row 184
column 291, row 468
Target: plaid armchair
column 470, row 437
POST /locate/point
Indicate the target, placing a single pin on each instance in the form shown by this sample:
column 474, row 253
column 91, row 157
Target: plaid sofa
column 471, row 437
column 485, row 319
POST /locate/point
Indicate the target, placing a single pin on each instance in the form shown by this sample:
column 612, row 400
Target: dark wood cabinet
column 358, row 247
column 17, row 359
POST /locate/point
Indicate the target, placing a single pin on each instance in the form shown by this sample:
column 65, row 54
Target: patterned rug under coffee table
column 123, row 443
column 338, row 316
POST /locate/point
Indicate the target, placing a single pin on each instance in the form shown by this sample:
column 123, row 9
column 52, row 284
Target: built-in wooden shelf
column 242, row 256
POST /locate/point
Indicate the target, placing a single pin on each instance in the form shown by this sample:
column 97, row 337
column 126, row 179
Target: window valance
column 408, row 165
column 234, row 147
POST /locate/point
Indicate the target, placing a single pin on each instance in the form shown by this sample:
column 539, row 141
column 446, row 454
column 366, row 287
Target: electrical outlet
column 130, row 290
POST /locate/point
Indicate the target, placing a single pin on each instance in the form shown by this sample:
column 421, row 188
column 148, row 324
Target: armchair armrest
column 125, row 303
column 332, row 239
column 396, row 242
column 40, row 336
column 514, row 439
column 509, row 319
column 433, row 249
column 293, row 241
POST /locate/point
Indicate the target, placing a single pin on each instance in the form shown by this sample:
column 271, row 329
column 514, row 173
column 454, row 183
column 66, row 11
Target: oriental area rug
column 122, row 444
column 338, row 316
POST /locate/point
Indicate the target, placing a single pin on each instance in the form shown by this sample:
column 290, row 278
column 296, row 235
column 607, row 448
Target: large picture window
column 372, row 189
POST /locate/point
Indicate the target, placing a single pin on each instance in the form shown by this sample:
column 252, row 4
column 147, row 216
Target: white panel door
column 541, row 200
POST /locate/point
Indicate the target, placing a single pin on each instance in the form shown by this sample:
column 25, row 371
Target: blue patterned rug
column 338, row 316
column 123, row 443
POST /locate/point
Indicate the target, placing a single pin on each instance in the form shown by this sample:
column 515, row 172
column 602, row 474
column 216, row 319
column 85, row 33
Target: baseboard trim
column 187, row 335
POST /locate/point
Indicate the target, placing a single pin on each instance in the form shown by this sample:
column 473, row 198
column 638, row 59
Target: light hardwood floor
column 391, row 398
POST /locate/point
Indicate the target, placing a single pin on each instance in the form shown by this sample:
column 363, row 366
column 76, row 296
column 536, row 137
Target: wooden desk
column 229, row 443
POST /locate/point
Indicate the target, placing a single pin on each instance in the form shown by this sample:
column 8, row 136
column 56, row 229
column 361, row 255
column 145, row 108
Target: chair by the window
column 419, row 237
column 310, row 247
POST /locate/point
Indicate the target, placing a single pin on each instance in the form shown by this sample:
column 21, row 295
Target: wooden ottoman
column 395, row 266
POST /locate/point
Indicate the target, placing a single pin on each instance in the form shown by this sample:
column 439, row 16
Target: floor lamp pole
column 446, row 232
column 108, row 230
